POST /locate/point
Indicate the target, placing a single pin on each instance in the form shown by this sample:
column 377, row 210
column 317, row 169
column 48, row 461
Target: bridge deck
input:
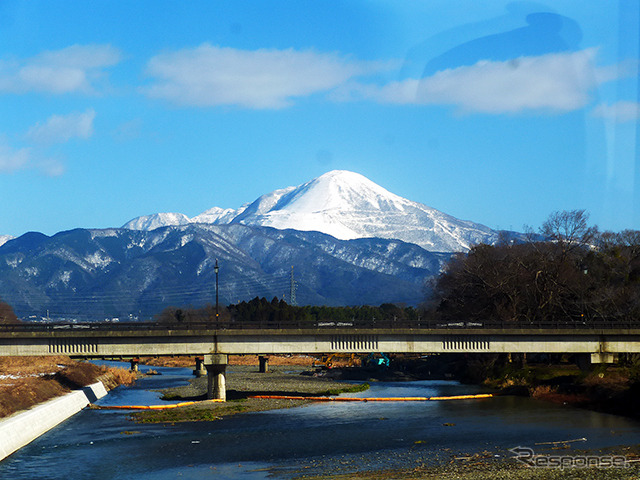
column 153, row 339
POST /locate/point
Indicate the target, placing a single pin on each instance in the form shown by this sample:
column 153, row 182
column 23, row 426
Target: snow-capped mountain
column 218, row 216
column 5, row 238
column 346, row 205
column 94, row 274
column 156, row 220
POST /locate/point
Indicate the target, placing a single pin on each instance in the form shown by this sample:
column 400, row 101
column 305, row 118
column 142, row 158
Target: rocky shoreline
column 482, row 466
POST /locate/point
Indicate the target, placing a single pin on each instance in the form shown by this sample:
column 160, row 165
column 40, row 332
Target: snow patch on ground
column 98, row 259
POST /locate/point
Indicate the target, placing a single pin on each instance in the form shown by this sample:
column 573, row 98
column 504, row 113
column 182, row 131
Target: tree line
column 575, row 275
column 569, row 272
column 277, row 311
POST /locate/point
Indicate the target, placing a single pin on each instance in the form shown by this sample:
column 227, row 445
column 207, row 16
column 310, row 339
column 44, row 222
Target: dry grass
column 23, row 393
column 178, row 362
column 112, row 377
column 21, row 366
column 79, row 374
column 611, row 378
column 552, row 394
column 542, row 391
column 275, row 360
column 33, row 380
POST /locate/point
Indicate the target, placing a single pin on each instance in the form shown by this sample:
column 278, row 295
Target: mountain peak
column 330, row 195
column 156, row 220
column 346, row 205
column 343, row 175
column 348, row 179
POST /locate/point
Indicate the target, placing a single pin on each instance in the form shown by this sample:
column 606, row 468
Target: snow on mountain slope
column 118, row 272
column 218, row 216
column 345, row 205
column 156, row 220
column 5, row 238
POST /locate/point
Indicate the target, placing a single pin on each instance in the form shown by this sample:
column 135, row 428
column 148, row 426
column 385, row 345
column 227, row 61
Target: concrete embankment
column 22, row 428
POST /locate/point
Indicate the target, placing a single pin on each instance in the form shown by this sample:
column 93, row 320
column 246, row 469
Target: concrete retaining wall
column 18, row 430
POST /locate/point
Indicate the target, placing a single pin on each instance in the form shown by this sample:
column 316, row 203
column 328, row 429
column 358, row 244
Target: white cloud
column 57, row 129
column 12, row 159
column 50, row 167
column 559, row 82
column 266, row 78
column 620, row 111
column 72, row 69
column 17, row 159
column 62, row 128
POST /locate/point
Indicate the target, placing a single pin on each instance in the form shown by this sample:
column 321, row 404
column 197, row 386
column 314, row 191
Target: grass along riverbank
column 28, row 381
column 605, row 388
column 242, row 382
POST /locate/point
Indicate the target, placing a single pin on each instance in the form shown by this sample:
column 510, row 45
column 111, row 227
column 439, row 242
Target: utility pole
column 216, row 269
column 292, row 289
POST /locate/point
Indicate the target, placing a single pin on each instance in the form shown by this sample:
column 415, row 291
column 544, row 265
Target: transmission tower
column 292, row 291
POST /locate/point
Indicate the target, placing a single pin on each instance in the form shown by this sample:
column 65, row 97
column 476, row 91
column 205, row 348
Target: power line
column 150, row 298
column 292, row 289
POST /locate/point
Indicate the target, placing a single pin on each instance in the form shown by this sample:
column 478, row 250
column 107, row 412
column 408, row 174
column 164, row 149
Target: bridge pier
column 200, row 370
column 264, row 364
column 604, row 357
column 585, row 361
column 216, row 365
column 134, row 364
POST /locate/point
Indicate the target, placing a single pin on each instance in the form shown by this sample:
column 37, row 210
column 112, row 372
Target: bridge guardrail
column 385, row 324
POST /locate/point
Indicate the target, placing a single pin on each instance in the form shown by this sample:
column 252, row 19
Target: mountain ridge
column 350, row 241
column 106, row 273
column 345, row 205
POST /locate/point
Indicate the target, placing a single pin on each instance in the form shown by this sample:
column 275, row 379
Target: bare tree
column 6, row 314
column 569, row 229
column 535, row 281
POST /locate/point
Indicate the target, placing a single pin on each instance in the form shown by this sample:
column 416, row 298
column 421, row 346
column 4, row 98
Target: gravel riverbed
column 243, row 381
column 487, row 465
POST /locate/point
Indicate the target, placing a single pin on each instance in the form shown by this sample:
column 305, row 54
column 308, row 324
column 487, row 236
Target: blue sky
column 496, row 112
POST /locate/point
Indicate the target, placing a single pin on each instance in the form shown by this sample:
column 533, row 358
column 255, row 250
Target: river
column 335, row 437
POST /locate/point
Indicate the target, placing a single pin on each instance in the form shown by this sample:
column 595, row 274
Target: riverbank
column 373, row 440
column 605, row 388
column 29, row 381
column 22, row 428
column 244, row 381
column 485, row 466
column 274, row 360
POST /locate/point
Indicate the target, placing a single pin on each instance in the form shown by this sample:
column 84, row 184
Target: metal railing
column 420, row 324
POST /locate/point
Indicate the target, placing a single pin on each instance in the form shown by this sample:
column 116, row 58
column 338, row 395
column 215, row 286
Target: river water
column 326, row 437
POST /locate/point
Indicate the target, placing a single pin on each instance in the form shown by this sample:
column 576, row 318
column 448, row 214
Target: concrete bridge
column 212, row 346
